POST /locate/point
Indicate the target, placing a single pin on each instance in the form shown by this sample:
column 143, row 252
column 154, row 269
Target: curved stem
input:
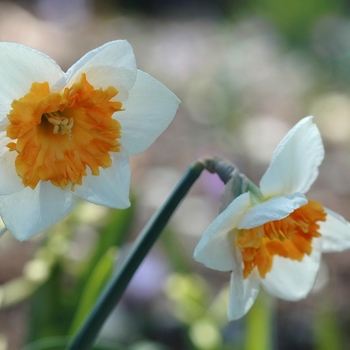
column 228, row 171
column 115, row 288
column 112, row 293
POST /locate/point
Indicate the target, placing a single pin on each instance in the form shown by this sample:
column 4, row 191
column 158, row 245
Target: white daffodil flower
column 69, row 134
column 275, row 240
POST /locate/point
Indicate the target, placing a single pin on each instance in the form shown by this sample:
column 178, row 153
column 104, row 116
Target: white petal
column 275, row 208
column 4, row 140
column 28, row 212
column 294, row 165
column 111, row 187
column 10, row 182
column 291, row 279
column 112, row 64
column 215, row 249
column 148, row 111
column 243, row 293
column 20, row 66
column 335, row 232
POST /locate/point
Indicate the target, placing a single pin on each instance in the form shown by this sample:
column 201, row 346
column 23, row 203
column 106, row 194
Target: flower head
column 275, row 239
column 69, row 134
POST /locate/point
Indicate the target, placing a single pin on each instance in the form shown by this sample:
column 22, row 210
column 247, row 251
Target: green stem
column 259, row 333
column 112, row 293
column 115, row 288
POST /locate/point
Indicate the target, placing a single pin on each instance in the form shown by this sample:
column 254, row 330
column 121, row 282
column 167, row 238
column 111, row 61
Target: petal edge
column 294, row 165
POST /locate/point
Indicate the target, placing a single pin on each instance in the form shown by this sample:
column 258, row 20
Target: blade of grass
column 98, row 279
column 259, row 331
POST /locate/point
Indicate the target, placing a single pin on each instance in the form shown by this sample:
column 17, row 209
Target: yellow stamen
column 60, row 124
column 290, row 237
column 58, row 134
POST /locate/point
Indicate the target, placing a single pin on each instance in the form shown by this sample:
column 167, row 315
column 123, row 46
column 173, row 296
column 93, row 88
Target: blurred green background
column 246, row 71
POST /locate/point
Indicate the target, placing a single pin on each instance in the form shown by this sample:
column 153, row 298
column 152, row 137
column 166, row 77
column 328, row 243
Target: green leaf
column 175, row 252
column 98, row 279
column 327, row 327
column 49, row 312
column 114, row 233
column 60, row 343
column 259, row 324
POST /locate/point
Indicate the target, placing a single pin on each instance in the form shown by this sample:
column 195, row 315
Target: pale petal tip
column 294, row 164
column 335, row 232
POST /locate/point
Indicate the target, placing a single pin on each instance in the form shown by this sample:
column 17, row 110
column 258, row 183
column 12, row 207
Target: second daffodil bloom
column 275, row 239
column 70, row 134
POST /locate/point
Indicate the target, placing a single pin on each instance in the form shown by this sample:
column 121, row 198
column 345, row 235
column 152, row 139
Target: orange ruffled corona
column 290, row 237
column 58, row 134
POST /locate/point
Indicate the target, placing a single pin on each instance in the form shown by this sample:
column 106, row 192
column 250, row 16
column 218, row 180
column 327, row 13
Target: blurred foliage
column 181, row 8
column 204, row 318
column 220, row 93
column 259, row 321
column 60, row 305
column 327, row 327
column 296, row 19
column 93, row 287
column 63, row 300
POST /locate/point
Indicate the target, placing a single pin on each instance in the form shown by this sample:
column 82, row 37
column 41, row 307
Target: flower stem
column 112, row 293
column 114, row 290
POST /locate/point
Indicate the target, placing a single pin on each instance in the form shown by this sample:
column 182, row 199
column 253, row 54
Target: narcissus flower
column 68, row 135
column 275, row 238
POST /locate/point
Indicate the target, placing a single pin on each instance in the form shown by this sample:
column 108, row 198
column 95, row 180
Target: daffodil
column 274, row 237
column 65, row 135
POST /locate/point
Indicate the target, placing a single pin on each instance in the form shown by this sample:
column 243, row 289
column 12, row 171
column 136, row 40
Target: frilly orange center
column 290, row 237
column 58, row 134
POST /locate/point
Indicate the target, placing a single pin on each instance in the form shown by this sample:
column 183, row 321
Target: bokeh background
column 245, row 71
